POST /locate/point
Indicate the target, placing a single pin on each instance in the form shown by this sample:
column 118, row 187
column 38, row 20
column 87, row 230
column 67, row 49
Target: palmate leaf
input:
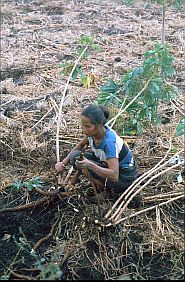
column 156, row 67
column 159, row 60
column 30, row 184
column 66, row 68
column 110, row 87
column 17, row 184
column 109, row 99
column 86, row 40
column 75, row 74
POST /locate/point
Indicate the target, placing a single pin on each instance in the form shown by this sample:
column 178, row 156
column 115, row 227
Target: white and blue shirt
column 112, row 146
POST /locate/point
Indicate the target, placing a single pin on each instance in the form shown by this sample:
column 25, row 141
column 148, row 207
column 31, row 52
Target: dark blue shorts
column 126, row 175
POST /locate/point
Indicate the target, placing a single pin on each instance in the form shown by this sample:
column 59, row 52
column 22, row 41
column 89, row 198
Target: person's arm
column 60, row 166
column 111, row 173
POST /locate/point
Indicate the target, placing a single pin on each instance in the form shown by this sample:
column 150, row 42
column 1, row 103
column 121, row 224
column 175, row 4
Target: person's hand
column 83, row 164
column 60, row 166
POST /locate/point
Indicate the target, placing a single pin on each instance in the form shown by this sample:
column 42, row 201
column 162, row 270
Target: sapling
column 30, row 184
column 86, row 42
column 151, row 82
column 83, row 71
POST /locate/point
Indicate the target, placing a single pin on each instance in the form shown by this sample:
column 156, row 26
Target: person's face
column 88, row 128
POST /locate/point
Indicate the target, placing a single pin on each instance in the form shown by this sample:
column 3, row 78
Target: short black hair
column 97, row 114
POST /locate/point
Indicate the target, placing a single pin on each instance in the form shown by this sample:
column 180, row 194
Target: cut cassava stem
column 39, row 242
column 68, row 176
column 60, row 109
column 130, row 199
column 27, row 206
column 138, row 180
column 133, row 188
column 50, row 196
column 148, row 209
column 135, row 184
column 161, row 196
column 61, row 104
column 22, row 277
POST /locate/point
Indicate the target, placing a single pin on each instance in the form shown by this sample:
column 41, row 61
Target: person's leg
column 97, row 180
column 100, row 185
column 87, row 154
column 115, row 189
column 75, row 154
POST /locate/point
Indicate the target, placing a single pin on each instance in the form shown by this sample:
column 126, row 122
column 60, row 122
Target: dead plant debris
column 55, row 232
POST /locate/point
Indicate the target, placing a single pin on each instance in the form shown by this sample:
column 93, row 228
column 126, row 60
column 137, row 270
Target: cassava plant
column 83, row 71
column 29, row 184
column 87, row 42
column 152, row 80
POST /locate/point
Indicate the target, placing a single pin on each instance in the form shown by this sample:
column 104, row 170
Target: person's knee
column 90, row 156
column 73, row 157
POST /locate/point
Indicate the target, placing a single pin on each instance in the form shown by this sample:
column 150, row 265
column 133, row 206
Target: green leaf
column 126, row 84
column 130, row 131
column 151, row 52
column 86, row 81
column 179, row 178
column 74, row 74
column 124, row 277
column 139, row 128
column 110, row 87
column 5, row 277
column 66, row 68
column 156, row 86
column 156, row 67
column 174, row 149
column 17, row 184
column 86, row 40
column 180, row 129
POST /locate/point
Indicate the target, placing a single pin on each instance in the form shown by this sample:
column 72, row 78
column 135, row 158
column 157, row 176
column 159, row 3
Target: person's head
column 94, row 118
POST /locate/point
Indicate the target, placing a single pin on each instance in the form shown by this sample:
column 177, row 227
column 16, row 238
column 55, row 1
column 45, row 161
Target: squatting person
column 109, row 162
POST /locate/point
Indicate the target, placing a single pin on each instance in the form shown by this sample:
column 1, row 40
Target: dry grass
column 36, row 36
